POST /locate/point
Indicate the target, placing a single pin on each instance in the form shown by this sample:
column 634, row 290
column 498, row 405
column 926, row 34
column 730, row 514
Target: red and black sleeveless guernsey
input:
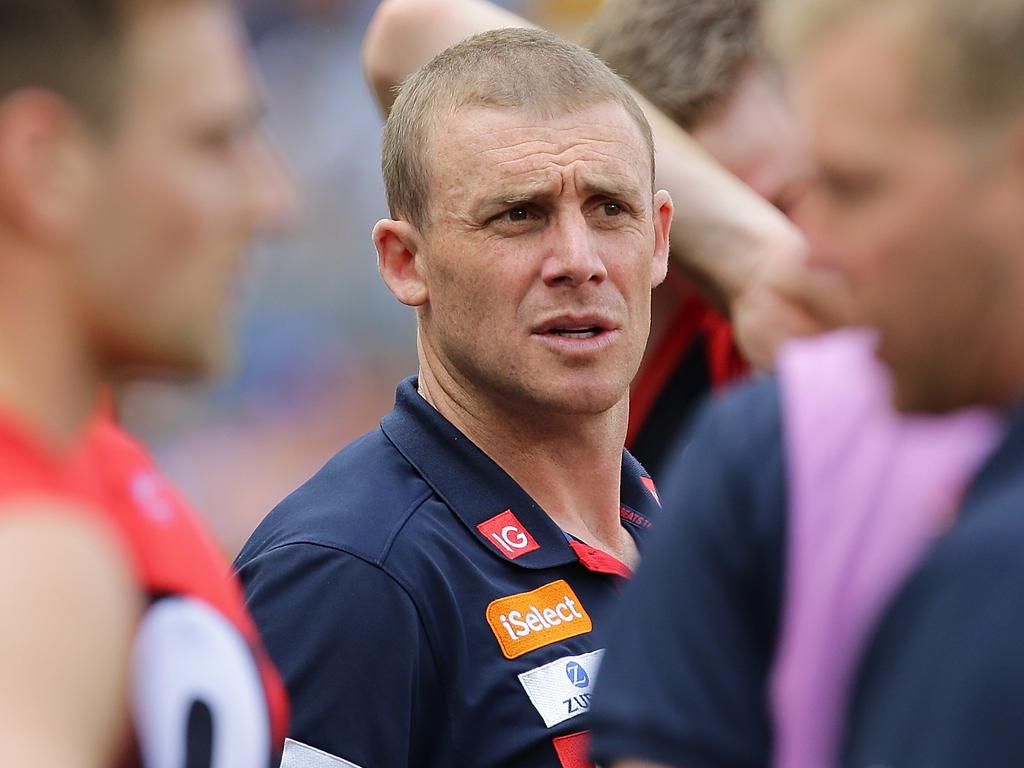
column 204, row 692
column 696, row 355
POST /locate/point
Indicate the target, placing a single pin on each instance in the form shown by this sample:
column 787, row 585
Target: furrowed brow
column 615, row 188
column 532, row 193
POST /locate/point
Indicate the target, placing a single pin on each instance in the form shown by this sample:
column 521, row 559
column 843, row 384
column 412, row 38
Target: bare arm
column 69, row 610
column 737, row 248
column 405, row 34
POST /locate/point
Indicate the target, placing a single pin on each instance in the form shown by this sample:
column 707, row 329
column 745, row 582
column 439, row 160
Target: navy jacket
column 425, row 611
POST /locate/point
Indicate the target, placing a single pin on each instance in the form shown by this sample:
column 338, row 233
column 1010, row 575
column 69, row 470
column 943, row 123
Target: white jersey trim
column 299, row 755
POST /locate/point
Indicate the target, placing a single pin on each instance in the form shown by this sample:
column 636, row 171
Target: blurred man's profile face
column 901, row 207
column 182, row 185
column 754, row 135
column 543, row 248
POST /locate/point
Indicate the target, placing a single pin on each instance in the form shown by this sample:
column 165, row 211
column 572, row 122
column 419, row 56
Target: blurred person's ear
column 47, row 167
column 398, row 245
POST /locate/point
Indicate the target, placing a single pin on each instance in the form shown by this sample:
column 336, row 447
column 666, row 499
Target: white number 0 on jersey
column 197, row 696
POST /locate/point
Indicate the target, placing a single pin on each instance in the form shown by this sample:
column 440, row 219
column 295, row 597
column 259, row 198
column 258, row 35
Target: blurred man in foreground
column 916, row 120
column 132, row 176
column 431, row 595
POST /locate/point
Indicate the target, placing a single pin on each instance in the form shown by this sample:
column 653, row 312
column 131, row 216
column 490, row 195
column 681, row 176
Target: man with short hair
column 733, row 254
column 132, row 175
column 433, row 594
column 916, row 121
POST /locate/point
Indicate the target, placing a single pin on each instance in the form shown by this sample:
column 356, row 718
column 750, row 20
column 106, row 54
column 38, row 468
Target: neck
column 994, row 361
column 570, row 464
column 1011, row 369
column 46, row 380
column 1006, row 377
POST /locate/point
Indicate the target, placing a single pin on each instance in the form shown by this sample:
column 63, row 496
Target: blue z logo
column 577, row 674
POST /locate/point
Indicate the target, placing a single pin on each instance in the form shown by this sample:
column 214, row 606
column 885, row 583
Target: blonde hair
column 504, row 69
column 969, row 53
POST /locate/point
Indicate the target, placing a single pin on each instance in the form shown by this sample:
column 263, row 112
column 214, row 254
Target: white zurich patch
column 299, row 755
column 560, row 690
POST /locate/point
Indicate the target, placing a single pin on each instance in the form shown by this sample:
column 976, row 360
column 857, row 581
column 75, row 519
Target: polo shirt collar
column 484, row 497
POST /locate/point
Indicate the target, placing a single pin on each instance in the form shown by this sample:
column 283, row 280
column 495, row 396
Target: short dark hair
column 70, row 47
column 685, row 56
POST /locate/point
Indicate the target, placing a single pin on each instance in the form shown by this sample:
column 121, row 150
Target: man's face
column 904, row 208
column 181, row 187
column 543, row 248
column 755, row 137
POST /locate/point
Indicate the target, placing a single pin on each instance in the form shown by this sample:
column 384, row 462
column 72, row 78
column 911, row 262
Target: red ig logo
column 508, row 535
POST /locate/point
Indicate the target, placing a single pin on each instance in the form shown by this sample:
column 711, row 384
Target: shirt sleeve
column 348, row 640
column 684, row 678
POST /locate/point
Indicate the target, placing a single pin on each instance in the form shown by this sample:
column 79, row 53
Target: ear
column 662, row 214
column 397, row 244
column 44, row 166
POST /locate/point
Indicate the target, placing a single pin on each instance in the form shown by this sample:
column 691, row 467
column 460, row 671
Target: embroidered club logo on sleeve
column 561, row 689
column 529, row 620
column 506, row 534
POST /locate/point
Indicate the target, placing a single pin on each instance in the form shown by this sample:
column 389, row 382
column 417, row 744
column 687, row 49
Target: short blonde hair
column 504, row 69
column 969, row 53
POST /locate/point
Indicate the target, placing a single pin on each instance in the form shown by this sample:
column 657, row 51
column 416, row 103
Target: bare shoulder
column 57, row 547
column 70, row 607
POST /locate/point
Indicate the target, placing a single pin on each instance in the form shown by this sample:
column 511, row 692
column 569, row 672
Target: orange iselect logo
column 529, row 620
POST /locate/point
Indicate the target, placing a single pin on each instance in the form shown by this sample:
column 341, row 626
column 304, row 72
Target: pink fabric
column 868, row 490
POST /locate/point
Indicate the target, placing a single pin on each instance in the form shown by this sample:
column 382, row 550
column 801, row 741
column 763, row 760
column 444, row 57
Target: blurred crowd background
column 321, row 344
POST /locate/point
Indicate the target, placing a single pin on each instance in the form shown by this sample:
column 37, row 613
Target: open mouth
column 577, row 333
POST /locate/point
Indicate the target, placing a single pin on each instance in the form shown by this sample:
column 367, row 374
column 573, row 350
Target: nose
column 273, row 200
column 573, row 259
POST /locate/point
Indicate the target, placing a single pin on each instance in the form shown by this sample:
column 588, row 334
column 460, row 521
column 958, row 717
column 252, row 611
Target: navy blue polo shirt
column 685, row 678
column 942, row 683
column 425, row 611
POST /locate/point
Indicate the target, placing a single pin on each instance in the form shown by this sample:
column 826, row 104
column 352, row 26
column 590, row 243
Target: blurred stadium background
column 320, row 342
